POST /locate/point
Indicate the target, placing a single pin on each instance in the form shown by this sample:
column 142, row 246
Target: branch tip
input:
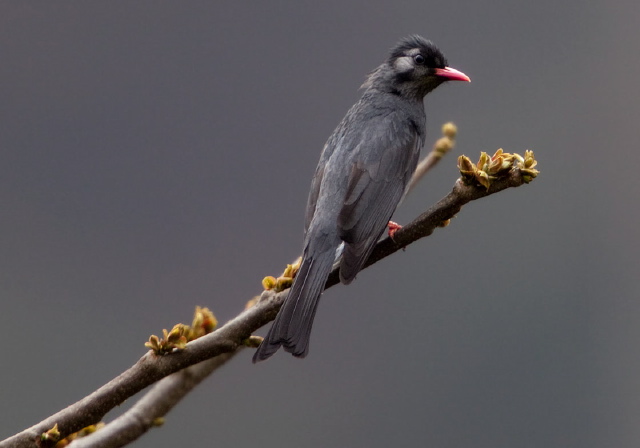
column 498, row 166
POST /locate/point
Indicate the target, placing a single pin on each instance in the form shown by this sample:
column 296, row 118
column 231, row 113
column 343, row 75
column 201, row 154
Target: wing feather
column 377, row 182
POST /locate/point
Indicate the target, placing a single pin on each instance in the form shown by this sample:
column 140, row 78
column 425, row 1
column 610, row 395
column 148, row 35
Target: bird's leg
column 393, row 228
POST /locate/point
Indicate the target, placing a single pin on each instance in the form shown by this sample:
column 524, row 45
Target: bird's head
column 414, row 68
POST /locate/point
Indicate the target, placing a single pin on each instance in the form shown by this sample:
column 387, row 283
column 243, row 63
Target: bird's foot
column 393, row 228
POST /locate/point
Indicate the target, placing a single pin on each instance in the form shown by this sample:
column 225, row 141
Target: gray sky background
column 155, row 156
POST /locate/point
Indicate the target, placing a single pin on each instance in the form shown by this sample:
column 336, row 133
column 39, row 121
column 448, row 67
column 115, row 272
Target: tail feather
column 292, row 326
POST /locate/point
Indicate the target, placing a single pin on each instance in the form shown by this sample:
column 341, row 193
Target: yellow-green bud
column 443, row 146
column 269, row 282
column 450, row 130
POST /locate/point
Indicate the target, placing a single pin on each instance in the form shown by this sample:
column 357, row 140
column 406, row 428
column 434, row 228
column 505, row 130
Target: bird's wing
column 328, row 150
column 381, row 166
column 313, row 196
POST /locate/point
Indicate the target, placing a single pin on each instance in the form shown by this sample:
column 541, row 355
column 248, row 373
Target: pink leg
column 393, row 228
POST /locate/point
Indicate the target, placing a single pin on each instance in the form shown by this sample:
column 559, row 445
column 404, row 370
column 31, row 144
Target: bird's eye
column 419, row 59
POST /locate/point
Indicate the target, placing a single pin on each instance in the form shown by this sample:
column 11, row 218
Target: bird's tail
column 292, row 326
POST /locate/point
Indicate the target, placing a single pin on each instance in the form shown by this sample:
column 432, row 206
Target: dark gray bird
column 362, row 175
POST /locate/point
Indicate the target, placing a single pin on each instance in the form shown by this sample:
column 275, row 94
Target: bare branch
column 153, row 406
column 147, row 371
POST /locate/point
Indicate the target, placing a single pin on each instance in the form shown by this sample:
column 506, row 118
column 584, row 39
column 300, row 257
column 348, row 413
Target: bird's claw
column 393, row 228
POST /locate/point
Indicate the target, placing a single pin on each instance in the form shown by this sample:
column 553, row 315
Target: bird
column 363, row 173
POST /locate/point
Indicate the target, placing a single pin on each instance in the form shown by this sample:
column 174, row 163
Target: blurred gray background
column 155, row 156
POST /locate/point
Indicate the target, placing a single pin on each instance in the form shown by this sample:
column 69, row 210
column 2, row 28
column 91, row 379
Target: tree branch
column 150, row 410
column 436, row 216
column 220, row 345
column 148, row 370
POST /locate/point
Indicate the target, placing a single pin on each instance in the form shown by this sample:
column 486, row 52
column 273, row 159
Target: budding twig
column 170, row 355
column 440, row 149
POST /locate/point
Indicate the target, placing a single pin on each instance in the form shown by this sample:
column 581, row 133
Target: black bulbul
column 362, row 175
